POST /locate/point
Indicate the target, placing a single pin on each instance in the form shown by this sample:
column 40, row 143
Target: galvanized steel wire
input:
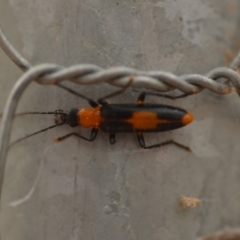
column 89, row 74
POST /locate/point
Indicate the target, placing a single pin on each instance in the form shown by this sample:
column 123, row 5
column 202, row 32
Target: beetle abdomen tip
column 187, row 118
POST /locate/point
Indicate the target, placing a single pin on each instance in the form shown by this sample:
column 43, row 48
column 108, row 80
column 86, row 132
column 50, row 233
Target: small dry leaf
column 189, row 202
column 228, row 56
column 227, row 234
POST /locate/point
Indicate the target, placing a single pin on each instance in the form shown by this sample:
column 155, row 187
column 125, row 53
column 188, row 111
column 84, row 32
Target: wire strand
column 88, row 74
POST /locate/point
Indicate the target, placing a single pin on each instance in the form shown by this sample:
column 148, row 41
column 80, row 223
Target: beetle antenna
column 35, row 133
column 29, row 113
column 57, row 112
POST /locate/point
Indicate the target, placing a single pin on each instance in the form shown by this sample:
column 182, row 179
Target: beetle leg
column 112, row 139
column 183, row 95
column 90, row 101
column 143, row 95
column 93, row 135
column 141, row 142
column 102, row 100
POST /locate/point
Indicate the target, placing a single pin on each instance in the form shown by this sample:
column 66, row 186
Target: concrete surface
column 79, row 190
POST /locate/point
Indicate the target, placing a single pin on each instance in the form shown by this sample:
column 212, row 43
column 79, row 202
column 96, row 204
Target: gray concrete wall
column 80, row 190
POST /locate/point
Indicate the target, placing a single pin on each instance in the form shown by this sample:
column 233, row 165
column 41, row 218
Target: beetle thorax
column 89, row 117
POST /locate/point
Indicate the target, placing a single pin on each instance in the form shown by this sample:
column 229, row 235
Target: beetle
column 120, row 118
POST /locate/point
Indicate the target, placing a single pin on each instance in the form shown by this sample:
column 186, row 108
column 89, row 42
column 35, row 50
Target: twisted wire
column 88, row 74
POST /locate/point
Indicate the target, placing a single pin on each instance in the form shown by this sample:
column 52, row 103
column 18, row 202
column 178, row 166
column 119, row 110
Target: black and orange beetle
column 121, row 118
